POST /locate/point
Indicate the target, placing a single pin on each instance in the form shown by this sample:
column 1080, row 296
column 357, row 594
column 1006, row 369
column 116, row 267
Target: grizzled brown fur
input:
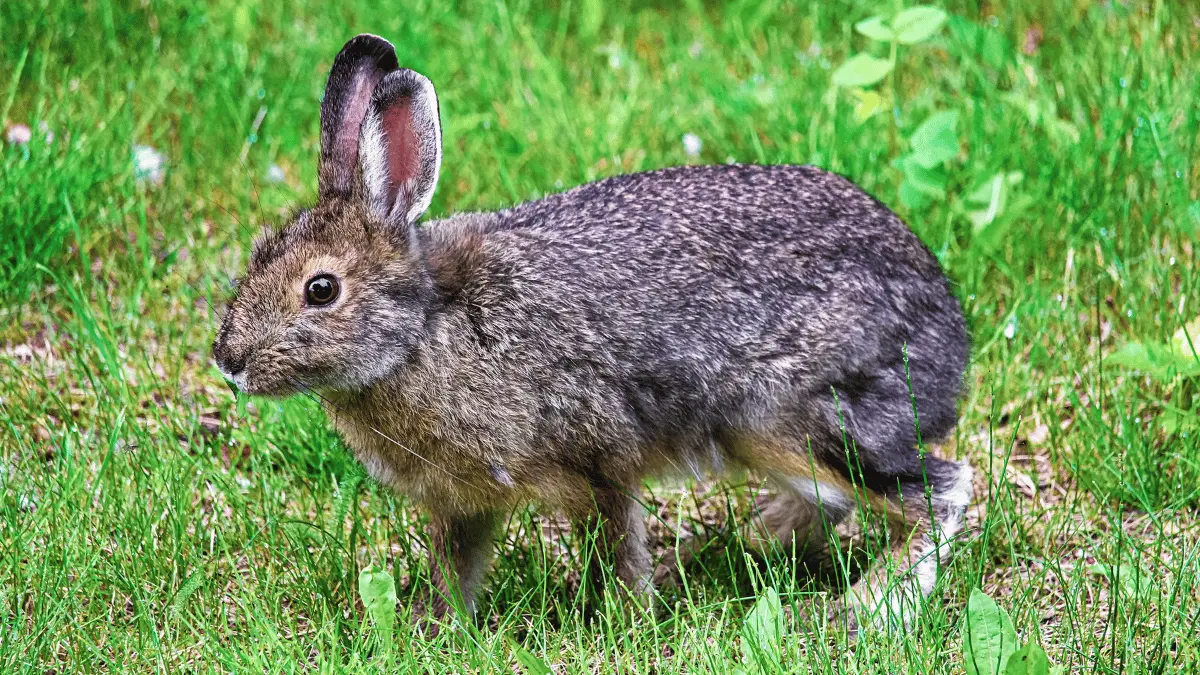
column 561, row 351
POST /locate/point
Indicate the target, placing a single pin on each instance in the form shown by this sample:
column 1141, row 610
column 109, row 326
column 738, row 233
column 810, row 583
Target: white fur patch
column 954, row 503
column 828, row 496
column 372, row 157
column 378, row 469
column 429, row 131
column 927, row 559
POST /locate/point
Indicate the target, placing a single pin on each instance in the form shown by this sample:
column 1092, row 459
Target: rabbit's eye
column 321, row 290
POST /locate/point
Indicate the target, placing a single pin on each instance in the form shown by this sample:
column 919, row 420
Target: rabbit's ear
column 401, row 147
column 356, row 71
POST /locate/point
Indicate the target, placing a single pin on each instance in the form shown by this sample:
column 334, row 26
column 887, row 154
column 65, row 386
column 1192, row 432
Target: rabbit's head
column 338, row 297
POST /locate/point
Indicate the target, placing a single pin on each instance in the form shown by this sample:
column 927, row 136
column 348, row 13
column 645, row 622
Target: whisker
column 307, row 391
column 212, row 311
column 252, row 178
column 237, row 221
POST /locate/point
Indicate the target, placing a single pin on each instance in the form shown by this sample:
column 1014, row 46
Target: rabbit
column 698, row 319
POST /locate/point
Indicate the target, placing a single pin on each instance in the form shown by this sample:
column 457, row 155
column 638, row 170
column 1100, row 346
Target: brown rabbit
column 773, row 318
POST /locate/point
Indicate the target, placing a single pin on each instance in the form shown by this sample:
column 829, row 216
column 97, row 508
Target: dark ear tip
column 369, row 46
column 402, row 83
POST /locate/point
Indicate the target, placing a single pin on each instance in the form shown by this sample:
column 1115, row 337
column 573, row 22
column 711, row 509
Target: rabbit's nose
column 231, row 368
column 229, row 364
column 234, row 372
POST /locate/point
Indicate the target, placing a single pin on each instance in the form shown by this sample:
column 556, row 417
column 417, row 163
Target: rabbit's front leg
column 616, row 536
column 460, row 552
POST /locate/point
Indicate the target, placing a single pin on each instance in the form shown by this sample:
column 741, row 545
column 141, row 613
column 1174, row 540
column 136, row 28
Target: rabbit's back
column 673, row 306
column 728, row 264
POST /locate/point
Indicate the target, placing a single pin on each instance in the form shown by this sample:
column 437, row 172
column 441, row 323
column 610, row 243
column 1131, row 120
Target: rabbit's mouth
column 237, row 379
column 260, row 381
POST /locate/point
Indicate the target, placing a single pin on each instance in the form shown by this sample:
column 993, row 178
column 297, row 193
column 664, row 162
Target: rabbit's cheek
column 266, row 374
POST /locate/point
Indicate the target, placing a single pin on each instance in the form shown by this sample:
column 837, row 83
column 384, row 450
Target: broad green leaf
column 185, row 592
column 875, row 29
column 989, row 638
column 1186, row 341
column 982, row 192
column 989, row 230
column 1135, row 584
column 917, row 24
column 1028, row 660
column 377, row 589
column 533, row 664
column 912, row 197
column 761, row 633
column 936, row 141
column 869, row 103
column 999, row 206
column 1134, row 355
column 862, row 70
column 980, row 219
column 929, row 181
column 995, row 191
column 1162, row 362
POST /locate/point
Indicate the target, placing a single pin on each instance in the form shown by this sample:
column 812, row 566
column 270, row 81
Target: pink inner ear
column 403, row 152
column 352, row 118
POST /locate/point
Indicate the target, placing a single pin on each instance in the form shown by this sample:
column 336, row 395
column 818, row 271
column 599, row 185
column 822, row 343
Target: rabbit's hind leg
column 867, row 435
column 922, row 517
column 884, row 448
column 808, row 498
column 892, row 591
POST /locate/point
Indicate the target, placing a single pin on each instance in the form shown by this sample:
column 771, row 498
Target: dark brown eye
column 321, row 290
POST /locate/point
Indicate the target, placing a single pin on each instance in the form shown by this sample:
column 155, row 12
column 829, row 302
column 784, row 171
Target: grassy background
column 150, row 522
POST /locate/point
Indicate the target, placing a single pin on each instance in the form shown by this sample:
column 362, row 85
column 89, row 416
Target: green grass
column 151, row 523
